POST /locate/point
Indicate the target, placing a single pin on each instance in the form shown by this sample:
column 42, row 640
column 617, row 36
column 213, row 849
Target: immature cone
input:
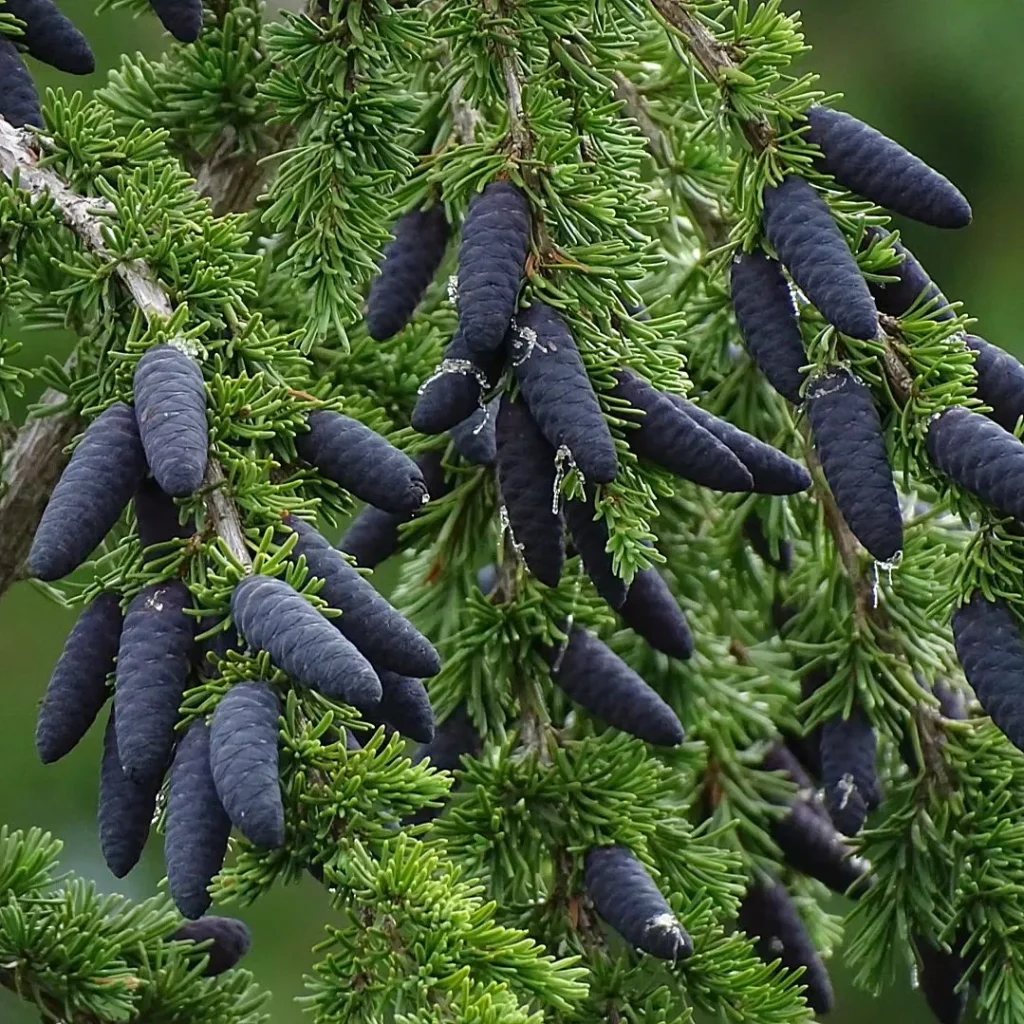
column 156, row 516
column 474, row 436
column 772, row 471
column 557, row 391
column 939, row 975
column 767, row 319
column 811, row 845
column 182, row 18
column 153, row 662
column 409, row 265
column 125, row 808
column 769, row 916
column 800, row 227
column 526, row 478
column 78, row 686
column 912, row 285
column 848, row 770
column 197, row 825
column 981, row 457
column 361, row 461
column 851, row 447
column 274, row 618
column 492, row 261
column 590, row 538
column 652, row 612
column 668, row 437
column 19, row 101
column 405, row 706
column 170, row 405
column 373, row 536
column 625, row 895
column 1000, row 381
column 381, row 634
column 51, row 37
column 452, row 393
column 872, row 165
column 595, row 677
column 990, row 647
column 243, row 760
column 99, row 481
column 229, row 938
column 456, row 737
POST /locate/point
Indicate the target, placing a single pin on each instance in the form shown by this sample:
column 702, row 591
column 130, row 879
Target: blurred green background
column 942, row 76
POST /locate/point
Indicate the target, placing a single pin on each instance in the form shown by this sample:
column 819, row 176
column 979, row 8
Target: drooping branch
column 36, row 459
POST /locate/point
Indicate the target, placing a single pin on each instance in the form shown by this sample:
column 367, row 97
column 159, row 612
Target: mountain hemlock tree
column 461, row 262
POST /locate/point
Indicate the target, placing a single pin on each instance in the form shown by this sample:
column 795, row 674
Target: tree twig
column 30, row 480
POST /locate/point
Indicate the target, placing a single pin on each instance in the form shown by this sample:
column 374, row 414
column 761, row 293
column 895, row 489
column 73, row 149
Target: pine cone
column 849, row 750
column 99, row 481
column 558, row 392
column 652, row 612
column 596, row 678
column 492, row 260
column 800, row 227
column 19, row 101
column 230, row 940
column 590, row 538
column 1000, row 382
column 939, row 975
column 156, row 516
column 405, row 706
column 526, row 478
column 767, row 319
column 51, row 37
column 872, row 165
column 625, row 895
column 474, row 437
column 850, row 444
column 78, row 686
column 911, row 285
column 274, row 618
column 244, row 763
column 409, row 265
column 182, row 18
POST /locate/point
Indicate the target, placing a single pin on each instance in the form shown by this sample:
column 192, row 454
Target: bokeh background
column 943, row 76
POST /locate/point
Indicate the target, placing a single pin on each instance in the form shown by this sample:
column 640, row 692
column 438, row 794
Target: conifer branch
column 37, row 458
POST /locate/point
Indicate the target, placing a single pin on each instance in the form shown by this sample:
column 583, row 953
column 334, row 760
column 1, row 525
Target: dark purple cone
column 182, row 18
column 474, row 436
column 590, row 538
column 382, row 635
column 595, row 677
column 454, row 391
column 912, row 283
column 244, row 762
column 768, row 321
column 557, row 390
column 668, row 437
column 872, row 165
column 753, row 530
column 409, row 265
column 1000, row 381
column 156, row 516
column 773, row 472
column 153, row 664
column 811, row 845
column 851, row 447
column 99, row 481
column 939, row 974
column 406, row 707
column 197, row 825
column 230, row 940
column 652, row 612
column 362, row 462
column 990, row 647
column 274, row 618
column 51, row 37
column 492, row 260
column 526, row 477
column 125, row 809
column 849, row 749
column 373, row 536
column 170, row 404
column 78, row 686
column 19, row 101
column 769, row 917
column 454, row 738
column 626, row 896
column 800, row 227
column 980, row 456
